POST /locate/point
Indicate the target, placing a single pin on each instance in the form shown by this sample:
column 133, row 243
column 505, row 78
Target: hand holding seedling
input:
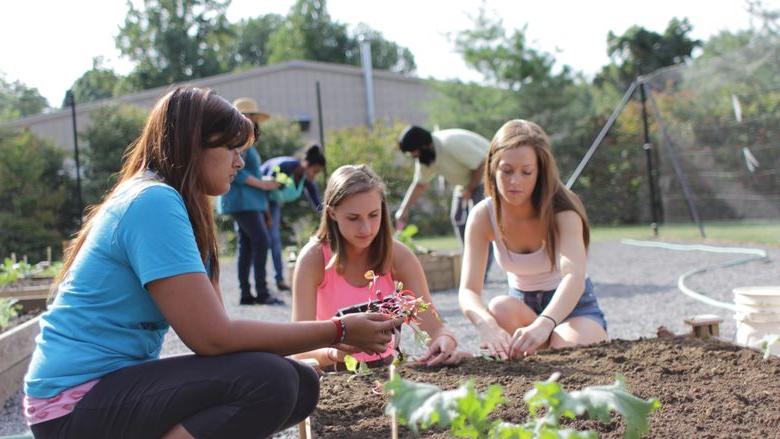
column 369, row 332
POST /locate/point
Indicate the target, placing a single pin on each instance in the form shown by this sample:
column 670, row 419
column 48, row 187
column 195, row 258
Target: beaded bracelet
column 341, row 330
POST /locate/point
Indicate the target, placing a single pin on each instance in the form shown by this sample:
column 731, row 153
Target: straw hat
column 249, row 107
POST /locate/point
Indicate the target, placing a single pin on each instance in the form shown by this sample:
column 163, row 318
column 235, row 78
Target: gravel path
column 636, row 287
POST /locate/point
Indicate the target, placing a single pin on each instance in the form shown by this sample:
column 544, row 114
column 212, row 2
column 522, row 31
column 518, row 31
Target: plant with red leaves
column 400, row 303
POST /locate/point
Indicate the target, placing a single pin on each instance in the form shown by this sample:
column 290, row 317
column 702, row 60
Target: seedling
column 401, row 303
column 9, row 309
column 767, row 342
column 466, row 411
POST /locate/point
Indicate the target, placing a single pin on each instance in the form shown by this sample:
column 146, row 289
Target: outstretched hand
column 495, row 341
column 527, row 340
column 441, row 350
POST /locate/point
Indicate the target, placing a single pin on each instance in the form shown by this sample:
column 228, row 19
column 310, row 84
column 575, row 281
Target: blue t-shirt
column 103, row 318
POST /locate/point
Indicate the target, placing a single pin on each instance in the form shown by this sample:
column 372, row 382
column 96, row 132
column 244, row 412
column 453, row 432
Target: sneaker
column 281, row 286
column 270, row 300
column 248, row 300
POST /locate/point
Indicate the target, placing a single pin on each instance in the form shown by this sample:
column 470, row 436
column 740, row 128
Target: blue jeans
column 252, row 252
column 276, row 239
column 588, row 305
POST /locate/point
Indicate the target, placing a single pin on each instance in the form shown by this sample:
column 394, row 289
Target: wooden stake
column 48, row 255
column 393, row 417
column 304, row 429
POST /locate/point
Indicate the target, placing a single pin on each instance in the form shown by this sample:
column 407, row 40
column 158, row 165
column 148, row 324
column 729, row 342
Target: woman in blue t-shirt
column 300, row 175
column 146, row 260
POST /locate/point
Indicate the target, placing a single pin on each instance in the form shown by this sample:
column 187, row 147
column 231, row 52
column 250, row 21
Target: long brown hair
column 549, row 196
column 346, row 181
column 182, row 123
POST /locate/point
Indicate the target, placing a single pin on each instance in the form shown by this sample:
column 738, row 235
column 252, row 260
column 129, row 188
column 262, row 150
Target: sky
column 48, row 44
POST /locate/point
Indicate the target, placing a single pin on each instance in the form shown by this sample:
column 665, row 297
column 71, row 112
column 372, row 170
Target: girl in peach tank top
column 355, row 235
column 539, row 231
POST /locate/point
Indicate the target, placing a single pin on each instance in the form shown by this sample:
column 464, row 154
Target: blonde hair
column 549, row 196
column 346, row 181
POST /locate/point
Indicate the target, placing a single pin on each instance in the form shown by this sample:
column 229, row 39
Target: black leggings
column 242, row 395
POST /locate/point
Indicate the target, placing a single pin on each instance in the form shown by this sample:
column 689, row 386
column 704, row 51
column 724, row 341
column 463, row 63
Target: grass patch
column 441, row 243
column 755, row 233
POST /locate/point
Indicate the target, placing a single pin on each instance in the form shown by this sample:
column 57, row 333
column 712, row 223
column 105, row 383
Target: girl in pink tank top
column 355, row 235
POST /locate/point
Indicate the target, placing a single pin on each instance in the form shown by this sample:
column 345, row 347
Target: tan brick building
column 286, row 89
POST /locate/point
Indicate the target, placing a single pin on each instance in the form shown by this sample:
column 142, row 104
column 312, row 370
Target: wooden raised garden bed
column 18, row 341
column 441, row 269
column 16, row 347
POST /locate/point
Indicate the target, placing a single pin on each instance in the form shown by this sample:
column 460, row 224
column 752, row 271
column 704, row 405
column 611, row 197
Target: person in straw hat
column 247, row 203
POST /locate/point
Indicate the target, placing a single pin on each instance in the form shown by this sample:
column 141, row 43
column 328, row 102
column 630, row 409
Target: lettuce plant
column 467, row 412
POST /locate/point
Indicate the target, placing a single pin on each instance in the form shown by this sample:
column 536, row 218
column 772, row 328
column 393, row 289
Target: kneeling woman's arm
column 194, row 310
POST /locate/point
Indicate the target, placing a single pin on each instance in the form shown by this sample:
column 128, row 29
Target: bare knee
column 510, row 312
column 579, row 331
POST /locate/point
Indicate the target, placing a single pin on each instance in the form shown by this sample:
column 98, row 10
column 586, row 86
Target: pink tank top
column 524, row 271
column 335, row 293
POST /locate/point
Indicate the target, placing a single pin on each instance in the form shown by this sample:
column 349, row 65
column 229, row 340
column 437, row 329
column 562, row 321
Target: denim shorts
column 588, row 306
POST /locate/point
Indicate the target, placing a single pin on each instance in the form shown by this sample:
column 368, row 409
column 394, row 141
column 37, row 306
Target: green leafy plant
column 48, row 271
column 8, row 310
column 406, row 236
column 767, row 342
column 467, row 412
column 11, row 271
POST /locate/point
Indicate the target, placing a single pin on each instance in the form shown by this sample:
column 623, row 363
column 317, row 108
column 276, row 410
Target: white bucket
column 757, row 315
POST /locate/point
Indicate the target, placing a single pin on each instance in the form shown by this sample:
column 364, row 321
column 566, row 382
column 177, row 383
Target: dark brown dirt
column 707, row 389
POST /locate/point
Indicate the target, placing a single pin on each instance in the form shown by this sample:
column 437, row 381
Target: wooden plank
column 16, row 346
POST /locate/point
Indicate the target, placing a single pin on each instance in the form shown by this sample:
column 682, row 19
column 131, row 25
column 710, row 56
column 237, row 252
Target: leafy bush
column 466, row 412
column 113, row 128
column 34, row 193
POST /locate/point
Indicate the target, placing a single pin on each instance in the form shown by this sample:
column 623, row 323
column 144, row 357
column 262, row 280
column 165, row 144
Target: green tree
column 640, row 51
column 471, row 106
column 113, row 129
column 18, row 100
column 385, row 55
column 174, row 40
column 95, row 84
column 250, row 40
column 309, row 33
column 33, row 192
column 505, row 60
